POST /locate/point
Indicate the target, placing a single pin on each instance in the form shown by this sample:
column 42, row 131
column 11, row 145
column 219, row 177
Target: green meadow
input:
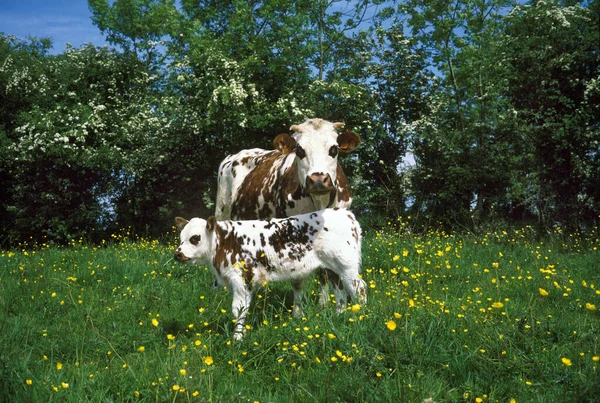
column 507, row 316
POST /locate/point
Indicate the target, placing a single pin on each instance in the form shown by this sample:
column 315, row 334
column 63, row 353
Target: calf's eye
column 300, row 153
column 333, row 151
column 195, row 240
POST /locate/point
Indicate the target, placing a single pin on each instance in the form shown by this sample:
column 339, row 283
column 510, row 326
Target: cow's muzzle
column 319, row 183
column 179, row 256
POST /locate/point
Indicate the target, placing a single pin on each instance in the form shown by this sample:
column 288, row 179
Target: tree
column 21, row 65
column 464, row 151
column 69, row 146
column 399, row 85
column 242, row 72
column 553, row 71
column 136, row 26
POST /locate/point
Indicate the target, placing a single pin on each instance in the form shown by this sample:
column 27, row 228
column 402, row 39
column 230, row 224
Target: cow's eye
column 333, row 151
column 195, row 240
column 300, row 153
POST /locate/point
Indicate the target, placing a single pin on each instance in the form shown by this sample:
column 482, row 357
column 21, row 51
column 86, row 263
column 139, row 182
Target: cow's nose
column 319, row 183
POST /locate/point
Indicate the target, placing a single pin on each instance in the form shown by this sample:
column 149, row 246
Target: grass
column 499, row 317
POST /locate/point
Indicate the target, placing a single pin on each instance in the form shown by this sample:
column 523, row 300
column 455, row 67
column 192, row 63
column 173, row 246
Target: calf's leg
column 326, row 277
column 348, row 279
column 242, row 297
column 298, row 286
column 323, row 280
column 359, row 289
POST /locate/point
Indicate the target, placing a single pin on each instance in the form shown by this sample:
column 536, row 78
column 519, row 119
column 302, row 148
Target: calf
column 245, row 254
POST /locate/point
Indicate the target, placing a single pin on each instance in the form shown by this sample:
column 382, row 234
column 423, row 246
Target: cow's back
column 232, row 173
column 259, row 184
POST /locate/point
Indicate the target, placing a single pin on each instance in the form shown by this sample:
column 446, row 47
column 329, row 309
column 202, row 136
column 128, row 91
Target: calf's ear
column 284, row 143
column 211, row 223
column 180, row 223
column 348, row 141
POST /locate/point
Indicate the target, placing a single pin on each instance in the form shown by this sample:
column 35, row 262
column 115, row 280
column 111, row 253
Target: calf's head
column 196, row 236
column 317, row 144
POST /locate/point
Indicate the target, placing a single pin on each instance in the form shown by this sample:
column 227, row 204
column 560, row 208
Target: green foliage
column 69, row 145
column 465, row 149
column 21, row 65
column 553, row 66
column 497, row 103
column 136, row 26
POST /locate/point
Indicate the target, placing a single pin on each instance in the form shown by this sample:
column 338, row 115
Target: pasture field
column 503, row 317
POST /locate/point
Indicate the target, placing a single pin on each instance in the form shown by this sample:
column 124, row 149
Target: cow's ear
column 348, row 141
column 211, row 223
column 180, row 223
column 284, row 143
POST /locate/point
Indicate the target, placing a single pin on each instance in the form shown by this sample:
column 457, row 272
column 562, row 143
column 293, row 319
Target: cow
column 301, row 175
column 244, row 255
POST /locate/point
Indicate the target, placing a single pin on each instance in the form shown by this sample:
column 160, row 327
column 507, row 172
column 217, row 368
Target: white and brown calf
column 245, row 254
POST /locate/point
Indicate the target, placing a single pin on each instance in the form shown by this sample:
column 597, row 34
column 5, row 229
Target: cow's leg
column 323, row 280
column 298, row 286
column 242, row 297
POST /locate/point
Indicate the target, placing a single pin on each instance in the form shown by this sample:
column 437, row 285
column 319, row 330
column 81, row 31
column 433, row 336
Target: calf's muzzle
column 179, row 256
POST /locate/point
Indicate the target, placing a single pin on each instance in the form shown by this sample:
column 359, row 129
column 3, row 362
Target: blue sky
column 62, row 20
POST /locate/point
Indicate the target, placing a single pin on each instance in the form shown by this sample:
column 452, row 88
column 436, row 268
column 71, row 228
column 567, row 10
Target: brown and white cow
column 301, row 175
column 244, row 255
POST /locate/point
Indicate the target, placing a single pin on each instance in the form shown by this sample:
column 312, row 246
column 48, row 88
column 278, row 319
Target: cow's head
column 196, row 239
column 317, row 144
